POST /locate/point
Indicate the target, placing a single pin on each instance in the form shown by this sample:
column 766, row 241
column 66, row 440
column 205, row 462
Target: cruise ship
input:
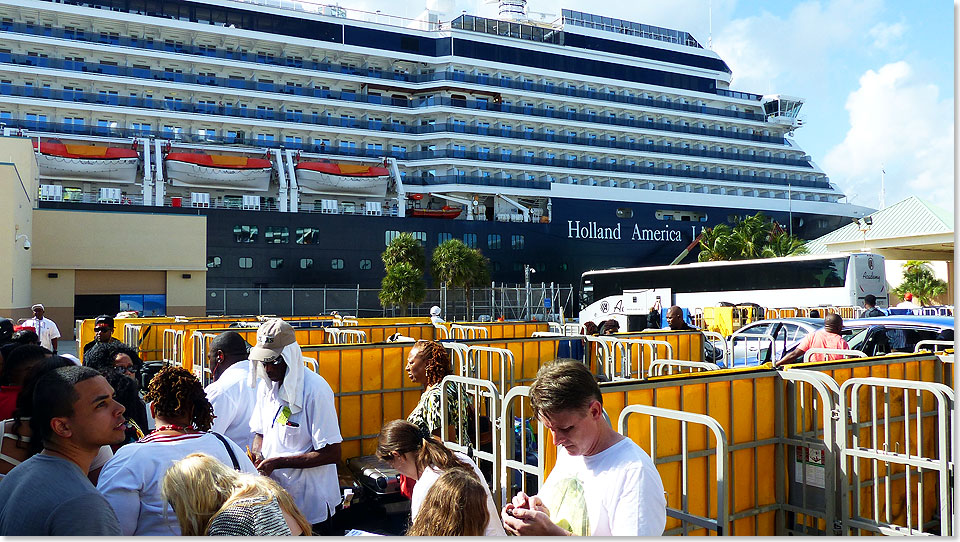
column 309, row 136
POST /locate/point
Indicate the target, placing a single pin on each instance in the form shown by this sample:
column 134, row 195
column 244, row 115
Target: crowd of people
column 85, row 451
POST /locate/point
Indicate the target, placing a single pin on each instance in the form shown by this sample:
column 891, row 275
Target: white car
column 751, row 344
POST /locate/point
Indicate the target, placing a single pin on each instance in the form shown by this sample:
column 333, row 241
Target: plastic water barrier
column 717, row 447
column 896, row 462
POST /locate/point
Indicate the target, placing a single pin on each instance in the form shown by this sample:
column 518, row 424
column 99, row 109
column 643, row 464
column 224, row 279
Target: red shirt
column 8, row 401
column 823, row 339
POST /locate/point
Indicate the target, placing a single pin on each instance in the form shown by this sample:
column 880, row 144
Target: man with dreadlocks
column 130, row 481
column 297, row 433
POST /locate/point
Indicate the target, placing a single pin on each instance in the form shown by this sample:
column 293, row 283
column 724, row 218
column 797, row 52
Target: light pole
column 527, row 271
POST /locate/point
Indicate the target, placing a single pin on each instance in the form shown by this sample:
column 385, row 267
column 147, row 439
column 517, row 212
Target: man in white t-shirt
column 46, row 329
column 603, row 484
column 232, row 398
column 297, row 434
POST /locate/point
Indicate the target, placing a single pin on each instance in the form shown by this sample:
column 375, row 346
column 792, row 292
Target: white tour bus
column 797, row 281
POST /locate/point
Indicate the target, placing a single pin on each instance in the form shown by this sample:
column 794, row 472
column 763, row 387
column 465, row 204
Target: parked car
column 750, row 345
column 901, row 333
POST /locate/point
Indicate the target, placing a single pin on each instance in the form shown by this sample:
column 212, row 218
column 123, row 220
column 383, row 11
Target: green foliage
column 918, row 279
column 403, row 283
column 404, row 248
column 754, row 236
column 459, row 266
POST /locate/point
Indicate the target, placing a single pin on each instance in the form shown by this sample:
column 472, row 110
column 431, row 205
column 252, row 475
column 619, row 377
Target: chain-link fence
column 511, row 301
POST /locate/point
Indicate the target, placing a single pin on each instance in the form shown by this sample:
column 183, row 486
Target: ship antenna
column 710, row 18
column 883, row 194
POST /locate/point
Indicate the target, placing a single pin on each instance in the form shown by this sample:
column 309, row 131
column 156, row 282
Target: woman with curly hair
column 421, row 456
column 427, row 364
column 454, row 506
column 211, row 499
column 130, row 481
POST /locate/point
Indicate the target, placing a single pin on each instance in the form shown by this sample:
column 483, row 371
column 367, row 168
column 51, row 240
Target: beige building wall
column 19, row 185
column 56, row 294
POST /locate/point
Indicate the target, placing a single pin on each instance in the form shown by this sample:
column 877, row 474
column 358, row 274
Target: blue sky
column 876, row 76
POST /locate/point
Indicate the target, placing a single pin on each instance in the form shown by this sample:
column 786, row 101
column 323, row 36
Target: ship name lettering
column 591, row 231
column 646, row 234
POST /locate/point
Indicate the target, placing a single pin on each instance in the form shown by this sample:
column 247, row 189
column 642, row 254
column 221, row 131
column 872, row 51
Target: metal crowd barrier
column 346, row 336
column 200, row 345
column 546, row 334
column 746, row 340
column 623, row 357
column 866, row 453
column 173, row 346
column 462, row 332
column 945, row 353
column 131, row 336
column 685, row 455
column 846, row 353
column 516, row 404
column 485, row 403
column 658, row 366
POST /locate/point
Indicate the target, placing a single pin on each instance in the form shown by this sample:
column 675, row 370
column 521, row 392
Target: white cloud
column 886, row 35
column 902, row 123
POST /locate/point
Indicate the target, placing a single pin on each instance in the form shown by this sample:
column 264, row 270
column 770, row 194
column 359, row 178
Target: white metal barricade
column 483, row 398
column 747, row 349
column 311, row 364
column 604, row 351
column 458, row 331
column 555, row 327
column 546, row 334
column 509, row 463
column 443, row 334
column 487, row 357
column 349, row 321
column 810, row 435
column 131, row 336
column 199, row 344
column 658, row 366
column 346, row 336
column 844, row 353
column 459, row 357
column 710, row 338
column 173, row 346
column 944, row 356
column 881, row 408
column 626, row 350
column 721, row 522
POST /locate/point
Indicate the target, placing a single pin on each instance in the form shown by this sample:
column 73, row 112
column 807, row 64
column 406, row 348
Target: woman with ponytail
column 419, row 455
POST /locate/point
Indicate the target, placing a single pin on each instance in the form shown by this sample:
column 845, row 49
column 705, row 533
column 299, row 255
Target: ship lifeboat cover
column 219, row 161
column 345, row 170
column 89, row 152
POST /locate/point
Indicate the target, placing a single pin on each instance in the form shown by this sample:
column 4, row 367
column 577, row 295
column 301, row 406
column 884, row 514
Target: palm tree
column 458, row 265
column 919, row 279
column 754, row 236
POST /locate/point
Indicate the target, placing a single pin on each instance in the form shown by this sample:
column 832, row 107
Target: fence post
column 293, row 309
column 259, row 300
column 357, row 312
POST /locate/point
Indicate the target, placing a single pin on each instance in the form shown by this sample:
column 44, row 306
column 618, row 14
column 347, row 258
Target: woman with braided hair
column 420, row 456
column 427, row 364
column 131, row 480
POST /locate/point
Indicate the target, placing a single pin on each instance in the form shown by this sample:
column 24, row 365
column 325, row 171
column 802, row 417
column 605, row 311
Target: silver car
column 767, row 340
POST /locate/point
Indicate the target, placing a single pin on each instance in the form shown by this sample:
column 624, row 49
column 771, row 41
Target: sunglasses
column 275, row 361
column 98, row 329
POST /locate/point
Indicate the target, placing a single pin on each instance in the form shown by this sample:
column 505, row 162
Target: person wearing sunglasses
column 297, row 440
column 102, row 333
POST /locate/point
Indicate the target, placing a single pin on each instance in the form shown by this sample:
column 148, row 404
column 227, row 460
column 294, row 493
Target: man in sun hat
column 297, row 434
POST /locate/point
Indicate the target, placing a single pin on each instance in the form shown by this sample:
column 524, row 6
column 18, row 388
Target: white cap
column 434, row 311
column 37, row 306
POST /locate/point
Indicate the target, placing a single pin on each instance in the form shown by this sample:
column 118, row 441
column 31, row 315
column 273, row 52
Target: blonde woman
column 455, row 505
column 211, row 499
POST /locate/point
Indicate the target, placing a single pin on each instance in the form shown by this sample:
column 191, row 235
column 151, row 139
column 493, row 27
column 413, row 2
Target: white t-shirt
column 316, row 490
column 46, row 329
column 233, row 401
column 617, row 492
column 431, row 474
column 130, row 481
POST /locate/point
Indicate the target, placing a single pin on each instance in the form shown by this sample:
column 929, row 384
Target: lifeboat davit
column 86, row 162
column 342, row 179
column 446, row 212
column 201, row 170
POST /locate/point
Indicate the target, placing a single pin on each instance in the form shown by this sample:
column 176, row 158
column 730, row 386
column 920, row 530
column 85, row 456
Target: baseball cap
column 37, row 306
column 434, row 311
column 272, row 336
column 103, row 321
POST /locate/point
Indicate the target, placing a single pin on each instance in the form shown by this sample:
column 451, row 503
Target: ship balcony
column 438, row 76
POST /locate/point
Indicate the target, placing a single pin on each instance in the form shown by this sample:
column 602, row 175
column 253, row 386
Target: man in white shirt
column 907, row 302
column 603, row 483
column 297, row 434
column 232, row 398
column 45, row 328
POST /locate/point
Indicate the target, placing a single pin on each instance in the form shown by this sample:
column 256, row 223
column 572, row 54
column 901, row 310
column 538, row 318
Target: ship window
column 420, row 237
column 516, row 241
column 213, row 262
column 306, row 263
column 496, row 265
column 307, row 236
column 246, row 263
column 365, row 265
column 668, row 217
column 276, row 234
column 443, row 237
column 564, row 267
column 389, row 236
column 624, row 212
column 245, row 234
column 493, row 241
column 276, row 263
column 470, row 239
column 336, row 263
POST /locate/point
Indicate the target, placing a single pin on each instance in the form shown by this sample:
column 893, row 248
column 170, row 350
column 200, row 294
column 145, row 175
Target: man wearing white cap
column 435, row 315
column 45, row 328
column 297, row 434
